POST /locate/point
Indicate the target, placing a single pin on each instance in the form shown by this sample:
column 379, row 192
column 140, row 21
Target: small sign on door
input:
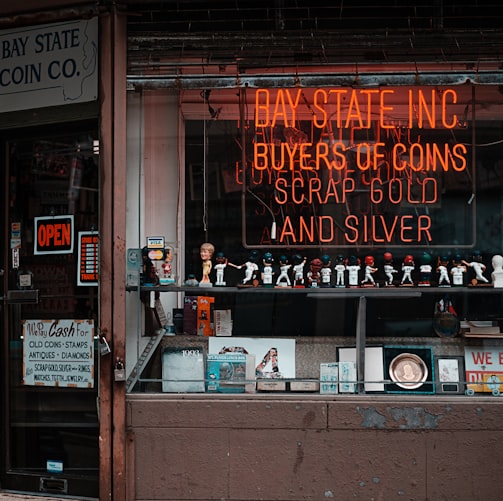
column 54, row 235
column 88, row 258
column 58, row 353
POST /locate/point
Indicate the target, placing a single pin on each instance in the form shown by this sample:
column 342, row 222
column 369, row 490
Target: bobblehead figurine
column 298, row 270
column 313, row 275
column 283, row 279
column 443, row 272
column 353, row 268
column 478, row 268
column 340, row 269
column 167, row 268
column 425, row 270
column 389, row 269
column 458, row 271
column 407, row 268
column 370, row 269
column 251, row 268
column 326, row 271
column 267, row 270
column 206, row 251
column 221, row 263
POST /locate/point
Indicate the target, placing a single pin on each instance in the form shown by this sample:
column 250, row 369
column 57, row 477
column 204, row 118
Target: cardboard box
column 190, row 315
column 230, row 373
column 271, row 385
column 205, row 322
column 304, row 386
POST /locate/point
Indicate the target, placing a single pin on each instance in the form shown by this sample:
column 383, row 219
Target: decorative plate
column 408, row 371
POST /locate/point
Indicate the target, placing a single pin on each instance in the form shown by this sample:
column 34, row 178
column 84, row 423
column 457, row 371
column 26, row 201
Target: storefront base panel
column 265, row 447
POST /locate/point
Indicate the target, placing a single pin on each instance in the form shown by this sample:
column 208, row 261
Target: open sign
column 54, row 235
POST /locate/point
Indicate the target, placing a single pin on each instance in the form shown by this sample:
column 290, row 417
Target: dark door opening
column 49, row 312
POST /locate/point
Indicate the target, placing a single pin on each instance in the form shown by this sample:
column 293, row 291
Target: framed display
column 275, row 358
column 374, row 365
column 450, row 374
column 410, row 369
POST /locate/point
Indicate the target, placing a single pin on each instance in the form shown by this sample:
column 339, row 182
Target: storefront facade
column 298, row 140
column 345, row 165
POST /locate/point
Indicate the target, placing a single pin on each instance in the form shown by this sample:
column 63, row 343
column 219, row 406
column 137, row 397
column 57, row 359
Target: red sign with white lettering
column 54, row 235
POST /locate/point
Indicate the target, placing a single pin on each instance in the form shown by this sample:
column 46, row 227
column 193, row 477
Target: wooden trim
column 112, row 231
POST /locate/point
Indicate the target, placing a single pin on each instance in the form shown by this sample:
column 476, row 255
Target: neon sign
column 371, row 178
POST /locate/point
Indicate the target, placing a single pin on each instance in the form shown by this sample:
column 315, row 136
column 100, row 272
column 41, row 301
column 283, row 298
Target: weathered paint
column 265, row 448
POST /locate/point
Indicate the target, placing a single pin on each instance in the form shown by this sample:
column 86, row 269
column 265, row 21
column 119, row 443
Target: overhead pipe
column 290, row 80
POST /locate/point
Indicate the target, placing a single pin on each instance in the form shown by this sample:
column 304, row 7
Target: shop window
column 400, row 187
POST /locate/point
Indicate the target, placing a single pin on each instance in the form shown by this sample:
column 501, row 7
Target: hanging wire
column 205, row 178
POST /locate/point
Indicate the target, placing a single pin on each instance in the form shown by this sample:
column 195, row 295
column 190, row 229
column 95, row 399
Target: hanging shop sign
column 54, row 235
column 49, row 65
column 58, row 353
column 363, row 170
column 88, row 242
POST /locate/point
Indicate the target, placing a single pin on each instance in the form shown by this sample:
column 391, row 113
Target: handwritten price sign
column 58, row 353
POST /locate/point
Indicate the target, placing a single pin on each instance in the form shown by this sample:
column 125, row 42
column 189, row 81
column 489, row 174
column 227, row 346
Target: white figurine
column 326, row 271
column 284, row 267
column 497, row 274
column 478, row 267
column 443, row 272
column 458, row 271
column 408, row 266
column 221, row 264
column 251, row 267
column 267, row 271
column 369, row 271
column 353, row 268
column 298, row 270
column 389, row 269
column 339, row 269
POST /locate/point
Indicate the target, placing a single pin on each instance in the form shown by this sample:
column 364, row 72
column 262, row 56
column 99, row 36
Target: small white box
column 347, row 377
column 329, row 378
column 271, row 385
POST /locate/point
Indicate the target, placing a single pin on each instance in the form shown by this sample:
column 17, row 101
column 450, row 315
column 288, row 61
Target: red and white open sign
column 54, row 235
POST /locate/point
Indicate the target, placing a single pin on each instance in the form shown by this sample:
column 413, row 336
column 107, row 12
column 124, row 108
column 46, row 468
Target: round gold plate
column 408, row 371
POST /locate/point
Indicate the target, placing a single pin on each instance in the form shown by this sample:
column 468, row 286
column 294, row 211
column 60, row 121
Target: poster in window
column 275, row 358
column 58, row 353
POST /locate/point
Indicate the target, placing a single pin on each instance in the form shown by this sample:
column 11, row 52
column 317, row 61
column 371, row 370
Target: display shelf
column 334, row 291
column 345, row 316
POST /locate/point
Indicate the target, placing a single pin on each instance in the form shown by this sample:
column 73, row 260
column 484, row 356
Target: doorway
column 49, row 313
